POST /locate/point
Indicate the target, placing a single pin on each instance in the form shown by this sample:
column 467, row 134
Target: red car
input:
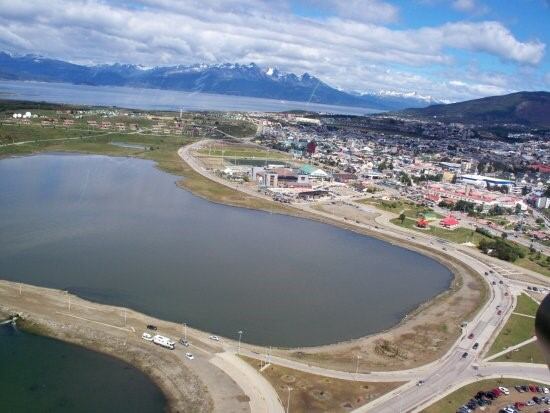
column 499, row 312
column 471, row 335
column 497, row 392
column 532, row 389
column 519, row 405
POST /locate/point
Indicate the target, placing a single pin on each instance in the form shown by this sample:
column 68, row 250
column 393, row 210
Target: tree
column 518, row 209
column 402, row 217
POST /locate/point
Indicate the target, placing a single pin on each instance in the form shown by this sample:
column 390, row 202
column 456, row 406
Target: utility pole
column 240, row 336
column 125, row 318
column 185, row 331
column 288, row 400
column 357, row 367
column 20, row 288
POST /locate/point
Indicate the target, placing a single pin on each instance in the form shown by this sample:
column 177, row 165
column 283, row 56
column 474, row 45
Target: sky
column 448, row 49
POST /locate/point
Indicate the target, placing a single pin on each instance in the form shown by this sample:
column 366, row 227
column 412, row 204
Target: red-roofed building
column 422, row 222
column 449, row 222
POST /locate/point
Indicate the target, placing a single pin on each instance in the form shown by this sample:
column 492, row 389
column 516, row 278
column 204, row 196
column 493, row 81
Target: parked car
column 147, row 337
column 189, row 356
column 504, row 390
column 464, row 355
column 151, row 327
column 184, row 342
column 475, row 346
column 532, row 388
column 499, row 312
column 471, row 335
column 215, row 338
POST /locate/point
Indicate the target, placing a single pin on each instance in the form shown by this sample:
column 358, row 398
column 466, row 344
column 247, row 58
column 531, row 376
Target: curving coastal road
column 452, row 370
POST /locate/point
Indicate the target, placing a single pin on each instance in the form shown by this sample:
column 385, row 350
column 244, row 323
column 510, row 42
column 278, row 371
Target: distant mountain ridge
column 523, row 108
column 230, row 79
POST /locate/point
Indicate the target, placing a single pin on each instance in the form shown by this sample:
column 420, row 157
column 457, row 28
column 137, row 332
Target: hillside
column 523, row 108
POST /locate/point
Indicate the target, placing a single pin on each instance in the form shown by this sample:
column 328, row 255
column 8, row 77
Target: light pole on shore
column 288, row 399
column 185, row 331
column 240, row 336
column 357, row 366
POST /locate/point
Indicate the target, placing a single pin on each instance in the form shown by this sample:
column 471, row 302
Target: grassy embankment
column 517, row 329
column 520, row 328
column 453, row 401
column 531, row 261
column 315, row 394
column 526, row 305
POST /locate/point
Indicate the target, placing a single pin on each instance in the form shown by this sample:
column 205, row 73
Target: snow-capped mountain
column 227, row 78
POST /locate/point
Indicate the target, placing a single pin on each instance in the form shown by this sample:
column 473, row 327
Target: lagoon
column 119, row 231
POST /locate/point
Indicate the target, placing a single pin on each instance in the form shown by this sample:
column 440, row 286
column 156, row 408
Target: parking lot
column 526, row 397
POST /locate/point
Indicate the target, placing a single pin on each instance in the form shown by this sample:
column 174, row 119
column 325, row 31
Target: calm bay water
column 38, row 374
column 119, row 231
column 157, row 99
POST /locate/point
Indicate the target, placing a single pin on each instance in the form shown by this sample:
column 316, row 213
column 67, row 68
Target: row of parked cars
column 485, row 398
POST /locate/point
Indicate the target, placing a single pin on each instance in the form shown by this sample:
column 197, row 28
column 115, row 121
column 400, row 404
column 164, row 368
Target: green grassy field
column 240, row 129
column 450, row 403
column 458, row 235
column 529, row 353
column 517, row 329
column 410, row 209
column 526, row 305
column 249, row 153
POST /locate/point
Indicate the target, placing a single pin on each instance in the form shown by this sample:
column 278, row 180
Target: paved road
column 452, row 369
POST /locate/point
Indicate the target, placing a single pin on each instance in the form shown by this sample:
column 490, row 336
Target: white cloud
column 361, row 10
column 346, row 48
column 464, row 5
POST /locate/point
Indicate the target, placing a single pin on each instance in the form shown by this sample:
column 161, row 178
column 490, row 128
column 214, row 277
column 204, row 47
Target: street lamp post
column 357, row 367
column 185, row 331
column 288, row 400
column 240, row 336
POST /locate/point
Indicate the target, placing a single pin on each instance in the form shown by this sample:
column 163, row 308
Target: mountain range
column 229, row 79
column 523, row 108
